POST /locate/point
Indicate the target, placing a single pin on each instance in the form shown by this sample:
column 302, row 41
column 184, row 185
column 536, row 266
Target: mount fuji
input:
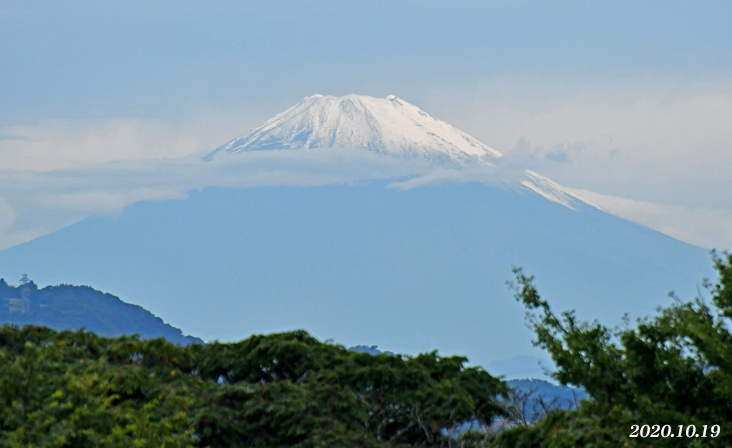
column 409, row 270
column 389, row 126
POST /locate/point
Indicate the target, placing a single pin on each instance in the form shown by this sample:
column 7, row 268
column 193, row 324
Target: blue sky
column 164, row 59
column 628, row 103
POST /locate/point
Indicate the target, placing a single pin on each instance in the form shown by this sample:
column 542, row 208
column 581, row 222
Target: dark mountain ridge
column 68, row 307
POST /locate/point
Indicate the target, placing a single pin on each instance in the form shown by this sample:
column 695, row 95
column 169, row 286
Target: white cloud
column 37, row 203
column 33, row 204
column 704, row 227
column 63, row 144
column 656, row 140
column 492, row 175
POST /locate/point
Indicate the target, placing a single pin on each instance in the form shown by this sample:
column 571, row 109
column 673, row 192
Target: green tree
column 330, row 396
column 76, row 389
column 673, row 369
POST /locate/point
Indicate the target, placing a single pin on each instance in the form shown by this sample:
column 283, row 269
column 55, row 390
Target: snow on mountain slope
column 388, row 126
column 551, row 190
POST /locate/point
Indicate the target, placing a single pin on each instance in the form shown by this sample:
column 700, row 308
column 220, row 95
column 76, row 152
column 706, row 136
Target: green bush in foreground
column 674, row 369
column 76, row 389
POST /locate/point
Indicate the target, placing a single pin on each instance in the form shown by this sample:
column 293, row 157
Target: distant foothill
column 68, row 307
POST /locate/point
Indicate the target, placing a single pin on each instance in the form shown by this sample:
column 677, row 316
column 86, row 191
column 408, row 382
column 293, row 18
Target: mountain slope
column 67, row 307
column 409, row 270
column 388, row 126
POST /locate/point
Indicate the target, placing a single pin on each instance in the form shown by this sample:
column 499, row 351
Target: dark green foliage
column 67, row 307
column 392, row 398
column 78, row 389
column 674, row 369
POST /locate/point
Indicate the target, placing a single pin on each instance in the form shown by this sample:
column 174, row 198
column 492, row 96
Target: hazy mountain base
column 411, row 270
column 519, row 367
column 67, row 307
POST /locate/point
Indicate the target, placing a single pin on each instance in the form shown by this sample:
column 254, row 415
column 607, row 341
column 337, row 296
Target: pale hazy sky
column 628, row 103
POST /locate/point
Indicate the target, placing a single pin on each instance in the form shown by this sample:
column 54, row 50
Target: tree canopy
column 672, row 369
column 64, row 389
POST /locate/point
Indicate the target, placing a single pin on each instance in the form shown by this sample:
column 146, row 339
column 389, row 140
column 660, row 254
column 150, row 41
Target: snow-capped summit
column 388, row 125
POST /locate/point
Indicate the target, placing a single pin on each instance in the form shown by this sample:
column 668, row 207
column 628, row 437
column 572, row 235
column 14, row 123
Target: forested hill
column 68, row 307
